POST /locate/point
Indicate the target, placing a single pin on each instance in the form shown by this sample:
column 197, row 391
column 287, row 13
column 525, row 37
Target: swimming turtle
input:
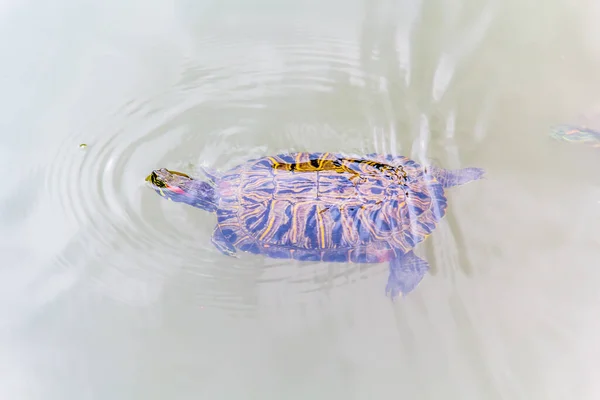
column 576, row 134
column 584, row 129
column 323, row 207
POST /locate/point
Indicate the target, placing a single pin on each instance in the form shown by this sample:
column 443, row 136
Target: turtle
column 323, row 207
column 585, row 129
column 576, row 134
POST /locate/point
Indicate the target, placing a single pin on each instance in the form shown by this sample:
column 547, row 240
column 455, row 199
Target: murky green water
column 109, row 292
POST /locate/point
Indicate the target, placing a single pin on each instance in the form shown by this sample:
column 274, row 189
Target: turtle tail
column 457, row 177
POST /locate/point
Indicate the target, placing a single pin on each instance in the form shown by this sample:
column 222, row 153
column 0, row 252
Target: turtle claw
column 221, row 243
column 392, row 291
column 228, row 252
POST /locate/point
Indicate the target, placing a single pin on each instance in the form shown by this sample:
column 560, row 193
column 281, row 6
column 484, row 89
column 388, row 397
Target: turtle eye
column 157, row 182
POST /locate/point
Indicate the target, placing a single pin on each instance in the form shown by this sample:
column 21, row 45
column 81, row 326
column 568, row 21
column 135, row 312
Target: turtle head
column 179, row 187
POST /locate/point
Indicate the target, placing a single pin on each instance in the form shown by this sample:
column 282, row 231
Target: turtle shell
column 328, row 206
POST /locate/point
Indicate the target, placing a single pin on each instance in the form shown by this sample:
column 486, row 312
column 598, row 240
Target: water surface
column 109, row 292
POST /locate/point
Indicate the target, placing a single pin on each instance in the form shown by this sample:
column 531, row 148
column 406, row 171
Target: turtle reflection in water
column 324, row 207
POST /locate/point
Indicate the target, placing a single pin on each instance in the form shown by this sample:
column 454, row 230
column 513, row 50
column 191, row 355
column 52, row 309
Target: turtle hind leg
column 406, row 271
column 221, row 243
column 457, row 177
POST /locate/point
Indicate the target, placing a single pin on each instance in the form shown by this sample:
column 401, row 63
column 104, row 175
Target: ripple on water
column 137, row 245
column 240, row 68
column 131, row 248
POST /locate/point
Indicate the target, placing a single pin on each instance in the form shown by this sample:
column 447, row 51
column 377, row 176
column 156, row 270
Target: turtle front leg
column 221, row 243
column 406, row 271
